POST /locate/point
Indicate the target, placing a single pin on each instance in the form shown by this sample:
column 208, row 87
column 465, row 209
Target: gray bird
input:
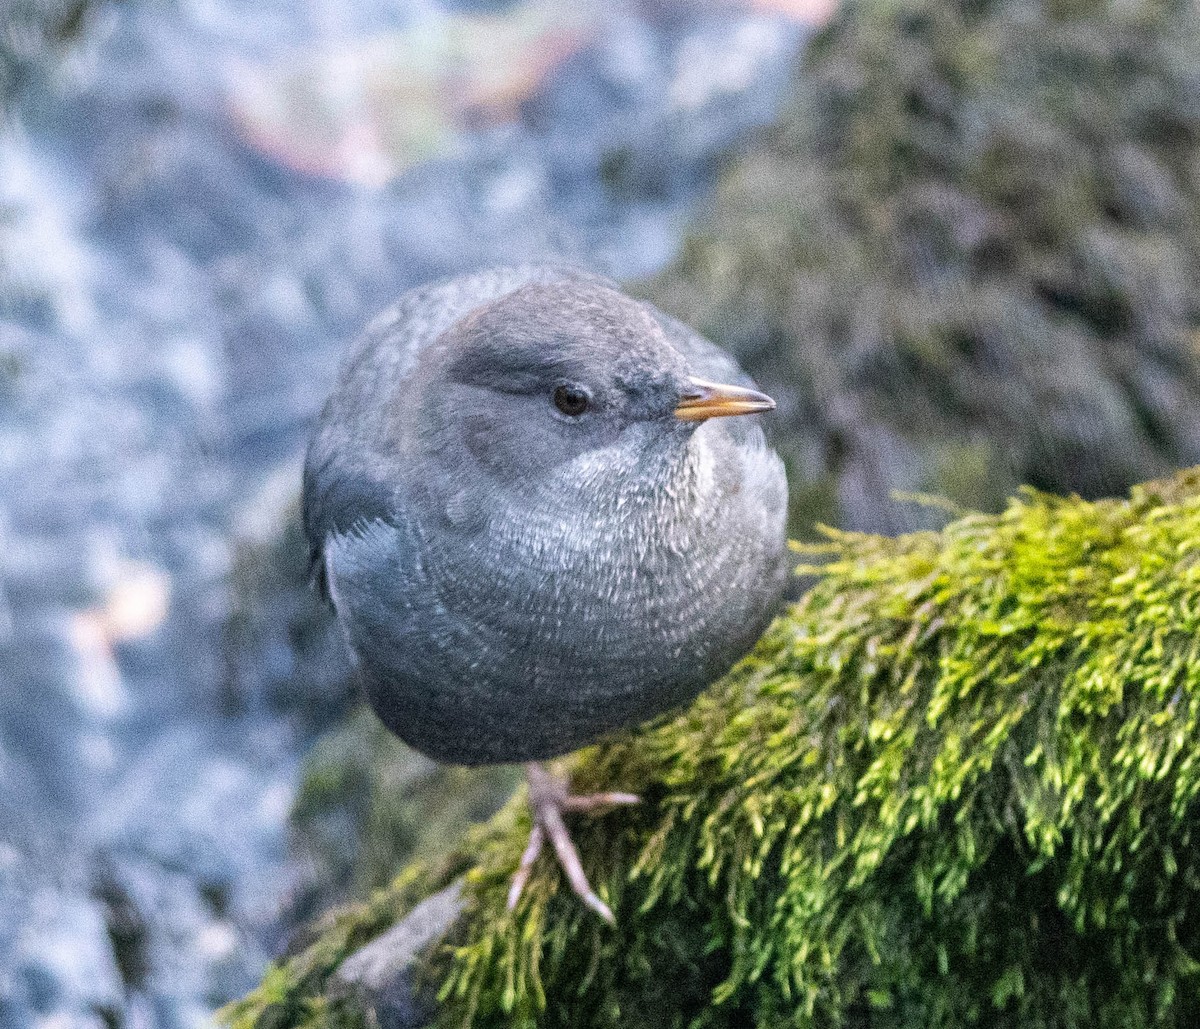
column 535, row 525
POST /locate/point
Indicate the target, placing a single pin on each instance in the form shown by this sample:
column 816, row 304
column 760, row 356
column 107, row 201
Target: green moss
column 955, row 785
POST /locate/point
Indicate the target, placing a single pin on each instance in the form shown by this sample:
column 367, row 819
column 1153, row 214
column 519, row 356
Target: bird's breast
column 550, row 619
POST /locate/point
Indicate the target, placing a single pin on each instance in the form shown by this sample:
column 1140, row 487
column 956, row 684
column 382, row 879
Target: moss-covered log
column 955, row 785
column 966, row 257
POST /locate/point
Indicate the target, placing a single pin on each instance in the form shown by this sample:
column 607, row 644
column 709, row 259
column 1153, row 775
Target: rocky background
column 957, row 240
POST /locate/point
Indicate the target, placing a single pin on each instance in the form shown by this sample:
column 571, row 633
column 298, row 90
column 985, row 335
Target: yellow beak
column 712, row 400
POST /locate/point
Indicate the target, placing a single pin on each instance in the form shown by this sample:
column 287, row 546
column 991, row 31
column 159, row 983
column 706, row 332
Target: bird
column 537, row 524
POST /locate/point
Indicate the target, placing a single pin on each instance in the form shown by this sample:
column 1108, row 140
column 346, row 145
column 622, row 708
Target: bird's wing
column 351, row 468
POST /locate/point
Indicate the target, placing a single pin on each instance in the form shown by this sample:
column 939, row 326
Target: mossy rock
column 955, row 785
column 368, row 805
column 968, row 255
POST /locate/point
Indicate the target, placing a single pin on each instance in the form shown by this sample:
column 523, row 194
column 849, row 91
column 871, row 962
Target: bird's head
column 534, row 380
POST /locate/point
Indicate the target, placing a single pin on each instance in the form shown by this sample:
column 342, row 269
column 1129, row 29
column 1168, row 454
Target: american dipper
column 535, row 526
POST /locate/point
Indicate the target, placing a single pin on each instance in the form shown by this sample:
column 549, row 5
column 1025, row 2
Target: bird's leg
column 548, row 799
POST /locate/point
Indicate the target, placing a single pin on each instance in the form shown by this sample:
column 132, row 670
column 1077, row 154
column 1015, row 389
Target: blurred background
column 956, row 239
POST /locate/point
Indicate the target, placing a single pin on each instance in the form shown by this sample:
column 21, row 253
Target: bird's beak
column 712, row 400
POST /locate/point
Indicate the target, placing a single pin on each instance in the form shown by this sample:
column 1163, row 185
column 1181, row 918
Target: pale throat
column 643, row 496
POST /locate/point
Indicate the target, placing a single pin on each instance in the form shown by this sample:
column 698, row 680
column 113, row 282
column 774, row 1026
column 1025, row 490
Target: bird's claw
column 548, row 799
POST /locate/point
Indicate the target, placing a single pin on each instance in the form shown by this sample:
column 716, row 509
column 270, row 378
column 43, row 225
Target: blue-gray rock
column 382, row 976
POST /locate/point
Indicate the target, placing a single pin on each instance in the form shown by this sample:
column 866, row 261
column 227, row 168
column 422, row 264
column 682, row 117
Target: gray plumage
column 514, row 583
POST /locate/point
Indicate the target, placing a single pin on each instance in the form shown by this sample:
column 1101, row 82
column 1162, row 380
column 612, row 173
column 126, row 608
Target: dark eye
column 570, row 400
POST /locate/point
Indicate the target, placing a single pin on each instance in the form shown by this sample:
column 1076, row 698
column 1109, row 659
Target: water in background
column 198, row 206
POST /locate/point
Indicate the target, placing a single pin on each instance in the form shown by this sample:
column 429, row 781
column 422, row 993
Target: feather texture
column 514, row 585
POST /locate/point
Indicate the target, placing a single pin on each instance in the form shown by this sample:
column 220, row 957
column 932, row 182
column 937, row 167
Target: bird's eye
column 571, row 400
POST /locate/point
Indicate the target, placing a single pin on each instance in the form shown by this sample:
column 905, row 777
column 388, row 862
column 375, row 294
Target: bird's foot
column 549, row 798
